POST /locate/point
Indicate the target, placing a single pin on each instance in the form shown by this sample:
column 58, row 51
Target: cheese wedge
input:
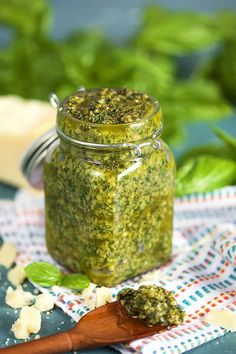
column 21, row 121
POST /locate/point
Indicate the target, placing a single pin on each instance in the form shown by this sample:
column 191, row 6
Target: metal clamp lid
column 32, row 161
column 154, row 142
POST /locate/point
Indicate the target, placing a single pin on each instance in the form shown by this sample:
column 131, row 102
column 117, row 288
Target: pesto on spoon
column 153, row 304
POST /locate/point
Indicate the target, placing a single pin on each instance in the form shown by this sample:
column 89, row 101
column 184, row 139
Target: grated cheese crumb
column 16, row 275
column 222, row 318
column 44, row 302
column 7, row 254
column 28, row 322
column 18, row 298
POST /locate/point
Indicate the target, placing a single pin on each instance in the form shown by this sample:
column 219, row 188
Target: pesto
column 108, row 106
column 153, row 304
column 108, row 211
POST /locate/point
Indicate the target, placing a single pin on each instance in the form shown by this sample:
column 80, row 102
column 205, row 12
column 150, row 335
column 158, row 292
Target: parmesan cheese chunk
column 91, row 304
column 19, row 329
column 87, row 292
column 7, row 254
column 28, row 322
column 44, row 302
column 151, row 276
column 32, row 318
column 222, row 318
column 16, row 275
column 103, row 296
column 18, row 298
column 87, row 295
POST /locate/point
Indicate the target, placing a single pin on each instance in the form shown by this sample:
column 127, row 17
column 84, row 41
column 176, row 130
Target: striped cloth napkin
column 202, row 272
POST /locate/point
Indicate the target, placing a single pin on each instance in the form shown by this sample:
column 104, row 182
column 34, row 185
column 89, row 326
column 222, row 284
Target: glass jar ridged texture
column 109, row 205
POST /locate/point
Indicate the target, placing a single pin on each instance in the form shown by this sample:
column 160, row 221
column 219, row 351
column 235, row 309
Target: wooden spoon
column 106, row 325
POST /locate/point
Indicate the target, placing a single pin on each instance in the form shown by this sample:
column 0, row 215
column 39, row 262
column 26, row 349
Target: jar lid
column 32, row 161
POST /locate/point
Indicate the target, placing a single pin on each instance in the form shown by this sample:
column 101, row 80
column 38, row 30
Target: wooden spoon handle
column 58, row 343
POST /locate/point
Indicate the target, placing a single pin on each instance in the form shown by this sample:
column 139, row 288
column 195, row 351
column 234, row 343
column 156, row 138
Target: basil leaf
column 75, row 281
column 223, row 69
column 198, row 100
column 177, row 33
column 211, row 149
column 43, row 273
column 226, row 23
column 27, row 18
column 227, row 139
column 204, row 173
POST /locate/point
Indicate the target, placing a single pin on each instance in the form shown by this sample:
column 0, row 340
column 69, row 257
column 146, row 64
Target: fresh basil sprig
column 88, row 57
column 46, row 274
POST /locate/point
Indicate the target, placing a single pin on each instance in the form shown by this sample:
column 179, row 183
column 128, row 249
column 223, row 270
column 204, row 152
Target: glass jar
column 109, row 194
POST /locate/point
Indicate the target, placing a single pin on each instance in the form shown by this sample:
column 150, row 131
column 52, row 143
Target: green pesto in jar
column 109, row 210
column 153, row 304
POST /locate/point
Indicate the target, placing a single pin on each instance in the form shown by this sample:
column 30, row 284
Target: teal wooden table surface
column 58, row 321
